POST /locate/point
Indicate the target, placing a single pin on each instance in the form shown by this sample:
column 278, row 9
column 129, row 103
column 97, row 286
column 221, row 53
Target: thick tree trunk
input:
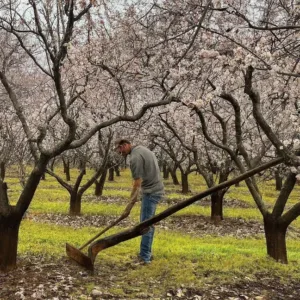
column 166, row 171
column 217, row 207
column 278, row 180
column 275, row 234
column 66, row 164
column 68, row 174
column 2, row 170
column 11, row 216
column 111, row 174
column 184, row 183
column 174, row 177
column 75, row 204
column 9, row 231
column 100, row 184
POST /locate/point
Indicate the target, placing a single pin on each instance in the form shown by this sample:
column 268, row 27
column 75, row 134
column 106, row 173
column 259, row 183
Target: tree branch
column 284, row 195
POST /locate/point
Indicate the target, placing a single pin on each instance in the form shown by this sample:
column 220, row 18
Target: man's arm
column 136, row 187
column 133, row 197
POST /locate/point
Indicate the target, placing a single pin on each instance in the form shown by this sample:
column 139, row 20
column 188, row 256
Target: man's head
column 123, row 146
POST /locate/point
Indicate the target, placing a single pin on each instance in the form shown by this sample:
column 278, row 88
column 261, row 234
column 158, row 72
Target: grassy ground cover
column 57, row 200
column 180, row 258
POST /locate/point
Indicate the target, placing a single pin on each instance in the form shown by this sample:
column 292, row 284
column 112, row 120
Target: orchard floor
column 39, row 277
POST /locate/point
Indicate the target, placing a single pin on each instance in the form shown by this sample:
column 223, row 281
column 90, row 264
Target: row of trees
column 212, row 84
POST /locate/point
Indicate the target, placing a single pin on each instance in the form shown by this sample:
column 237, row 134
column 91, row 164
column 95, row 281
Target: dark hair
column 120, row 142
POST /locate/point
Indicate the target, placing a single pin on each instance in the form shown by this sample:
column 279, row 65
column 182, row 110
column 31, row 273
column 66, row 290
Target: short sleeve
column 136, row 166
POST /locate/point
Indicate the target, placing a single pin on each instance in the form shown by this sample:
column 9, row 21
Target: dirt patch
column 228, row 202
column 38, row 277
column 200, row 226
column 77, row 222
column 261, row 288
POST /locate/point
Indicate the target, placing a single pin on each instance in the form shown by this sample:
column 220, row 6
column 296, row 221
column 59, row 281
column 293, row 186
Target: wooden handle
column 124, row 215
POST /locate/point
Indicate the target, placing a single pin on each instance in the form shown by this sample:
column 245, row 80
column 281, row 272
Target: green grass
column 268, row 193
column 179, row 258
column 52, row 198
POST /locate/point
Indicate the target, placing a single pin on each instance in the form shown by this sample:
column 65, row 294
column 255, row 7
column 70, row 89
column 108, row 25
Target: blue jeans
column 148, row 207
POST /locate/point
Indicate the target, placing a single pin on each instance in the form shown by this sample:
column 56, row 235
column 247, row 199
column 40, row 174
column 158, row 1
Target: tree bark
column 174, row 177
column 184, row 183
column 100, row 184
column 217, row 206
column 75, row 204
column 275, row 234
column 2, row 170
column 66, row 164
column 166, row 171
column 111, row 174
column 9, row 228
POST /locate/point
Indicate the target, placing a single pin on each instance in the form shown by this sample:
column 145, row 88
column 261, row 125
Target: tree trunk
column 66, row 164
column 75, row 204
column 217, row 206
column 111, row 174
column 2, row 170
column 278, row 180
column 166, row 171
column 117, row 171
column 275, row 234
column 174, row 177
column 184, row 183
column 9, row 231
column 100, row 184
column 68, row 174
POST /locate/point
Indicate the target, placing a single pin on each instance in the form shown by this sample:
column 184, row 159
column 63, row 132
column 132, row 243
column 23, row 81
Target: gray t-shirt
column 143, row 164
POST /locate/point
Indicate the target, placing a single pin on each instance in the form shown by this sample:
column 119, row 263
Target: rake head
column 79, row 257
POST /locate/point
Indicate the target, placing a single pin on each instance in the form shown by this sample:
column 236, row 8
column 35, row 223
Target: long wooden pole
column 139, row 229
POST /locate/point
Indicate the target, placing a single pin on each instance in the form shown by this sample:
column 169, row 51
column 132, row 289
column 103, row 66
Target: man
column 146, row 176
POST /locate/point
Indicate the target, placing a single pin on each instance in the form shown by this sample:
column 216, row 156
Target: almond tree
column 209, row 161
column 83, row 157
column 180, row 157
column 42, row 31
column 228, row 47
column 270, row 82
column 264, row 105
